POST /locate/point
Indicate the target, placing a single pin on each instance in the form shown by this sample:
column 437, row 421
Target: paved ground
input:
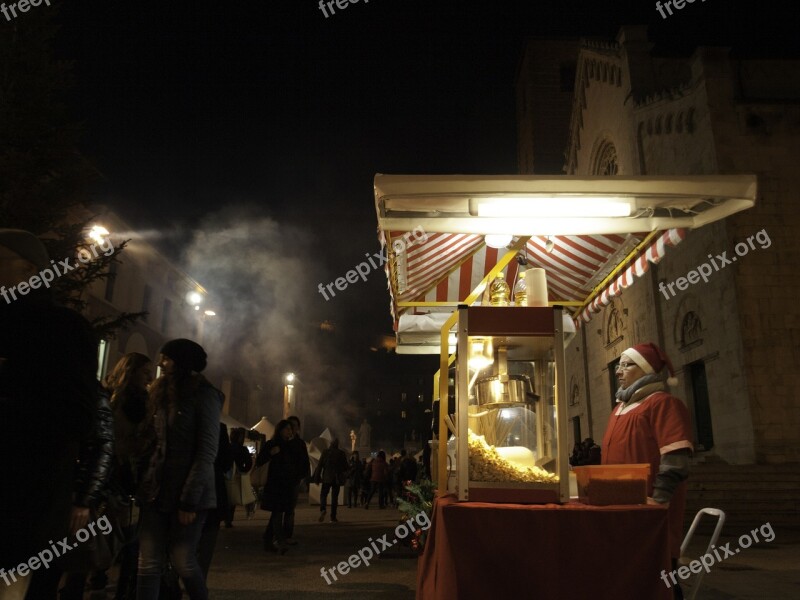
column 242, row 570
column 765, row 570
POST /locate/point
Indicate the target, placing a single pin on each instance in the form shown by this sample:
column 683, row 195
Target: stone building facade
column 735, row 340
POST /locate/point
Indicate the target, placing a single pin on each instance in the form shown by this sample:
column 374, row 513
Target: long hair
column 168, row 389
column 283, row 424
column 120, row 380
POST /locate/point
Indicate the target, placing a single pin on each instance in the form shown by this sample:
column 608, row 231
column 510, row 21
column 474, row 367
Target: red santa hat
column 651, row 359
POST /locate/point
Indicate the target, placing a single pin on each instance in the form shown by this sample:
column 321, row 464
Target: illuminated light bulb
column 98, row 233
column 194, row 298
column 497, row 240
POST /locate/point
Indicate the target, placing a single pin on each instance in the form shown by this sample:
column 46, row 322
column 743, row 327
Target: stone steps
column 750, row 495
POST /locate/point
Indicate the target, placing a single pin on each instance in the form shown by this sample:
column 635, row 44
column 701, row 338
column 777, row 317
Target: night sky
column 191, row 106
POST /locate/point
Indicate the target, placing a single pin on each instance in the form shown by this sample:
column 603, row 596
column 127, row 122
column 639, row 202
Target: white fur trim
column 639, row 360
column 672, row 381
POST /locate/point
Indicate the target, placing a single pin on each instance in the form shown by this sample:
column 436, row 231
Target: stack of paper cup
column 536, row 282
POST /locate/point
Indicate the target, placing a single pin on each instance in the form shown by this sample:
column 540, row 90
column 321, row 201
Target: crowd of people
column 148, row 455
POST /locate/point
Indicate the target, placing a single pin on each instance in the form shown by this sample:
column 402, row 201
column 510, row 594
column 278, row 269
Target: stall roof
column 434, row 227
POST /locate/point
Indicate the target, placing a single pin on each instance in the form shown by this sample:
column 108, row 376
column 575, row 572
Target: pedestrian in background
column 301, row 471
column 277, row 495
column 408, row 472
column 378, row 476
column 243, row 461
column 366, row 484
column 331, row 472
column 355, row 474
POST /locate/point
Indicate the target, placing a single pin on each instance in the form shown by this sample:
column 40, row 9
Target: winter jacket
column 222, row 464
column 378, row 471
column 355, row 472
column 180, row 472
column 333, row 464
column 96, row 457
column 278, row 492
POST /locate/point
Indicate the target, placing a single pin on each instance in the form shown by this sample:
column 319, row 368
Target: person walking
column 277, row 494
column 301, row 471
column 355, row 473
column 649, row 425
column 407, row 472
column 378, row 475
column 243, row 461
column 177, row 488
column 366, row 484
column 331, row 472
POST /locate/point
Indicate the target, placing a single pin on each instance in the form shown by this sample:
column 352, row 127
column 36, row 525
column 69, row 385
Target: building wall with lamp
column 144, row 281
column 733, row 340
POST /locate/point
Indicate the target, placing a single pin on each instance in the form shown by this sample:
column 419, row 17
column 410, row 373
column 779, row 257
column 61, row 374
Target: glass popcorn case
column 510, row 420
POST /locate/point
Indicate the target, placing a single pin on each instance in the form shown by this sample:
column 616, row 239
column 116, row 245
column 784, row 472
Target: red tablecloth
column 478, row 551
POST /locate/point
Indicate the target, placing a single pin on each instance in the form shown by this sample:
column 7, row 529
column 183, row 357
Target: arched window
column 605, row 162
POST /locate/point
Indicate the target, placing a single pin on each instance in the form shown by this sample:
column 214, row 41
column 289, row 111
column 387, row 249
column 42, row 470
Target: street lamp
column 289, row 380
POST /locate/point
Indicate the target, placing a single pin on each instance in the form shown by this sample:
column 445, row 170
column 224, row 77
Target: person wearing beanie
column 178, row 487
column 649, row 425
column 48, row 390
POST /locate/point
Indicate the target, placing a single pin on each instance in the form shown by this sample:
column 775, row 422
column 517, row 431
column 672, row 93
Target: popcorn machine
column 511, row 416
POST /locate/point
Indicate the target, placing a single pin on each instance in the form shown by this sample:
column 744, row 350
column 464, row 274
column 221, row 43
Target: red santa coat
column 640, row 433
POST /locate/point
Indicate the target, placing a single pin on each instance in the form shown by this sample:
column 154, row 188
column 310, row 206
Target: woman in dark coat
column 244, row 462
column 177, row 490
column 277, row 495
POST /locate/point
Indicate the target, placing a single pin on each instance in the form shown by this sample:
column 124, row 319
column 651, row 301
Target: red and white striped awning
column 438, row 223
column 447, row 267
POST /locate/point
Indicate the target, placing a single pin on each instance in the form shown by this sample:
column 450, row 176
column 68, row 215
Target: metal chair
column 712, row 542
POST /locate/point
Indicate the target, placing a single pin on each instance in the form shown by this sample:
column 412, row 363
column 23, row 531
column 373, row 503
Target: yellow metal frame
column 616, row 270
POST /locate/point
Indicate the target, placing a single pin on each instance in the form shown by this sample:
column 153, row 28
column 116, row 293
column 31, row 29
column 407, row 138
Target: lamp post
column 289, row 379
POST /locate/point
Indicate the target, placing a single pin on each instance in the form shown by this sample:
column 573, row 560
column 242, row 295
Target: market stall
column 568, row 551
column 494, row 274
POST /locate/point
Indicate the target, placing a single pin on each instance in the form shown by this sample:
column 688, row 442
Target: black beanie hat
column 188, row 355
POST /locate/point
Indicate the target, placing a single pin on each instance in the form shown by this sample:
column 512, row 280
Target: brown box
column 602, row 485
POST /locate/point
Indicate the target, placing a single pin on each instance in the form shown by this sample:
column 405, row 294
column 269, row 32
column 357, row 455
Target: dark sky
column 189, row 106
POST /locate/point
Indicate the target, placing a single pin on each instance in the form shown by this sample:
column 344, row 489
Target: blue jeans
column 160, row 533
